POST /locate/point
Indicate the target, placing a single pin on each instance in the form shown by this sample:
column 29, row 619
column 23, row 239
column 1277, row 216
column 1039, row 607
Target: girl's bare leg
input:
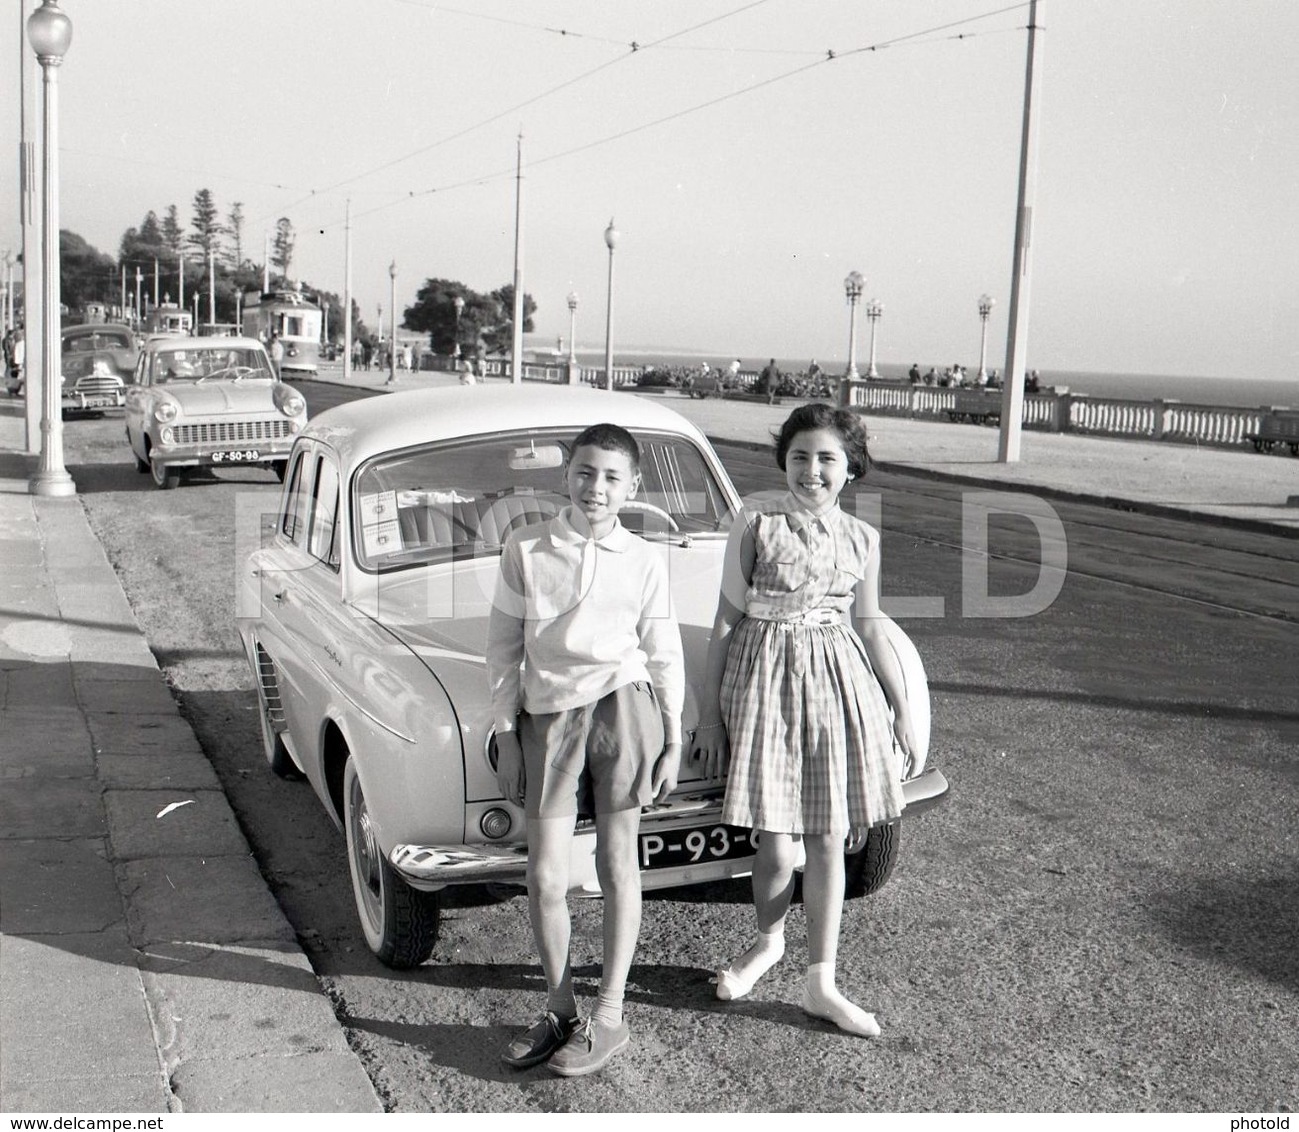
column 773, row 887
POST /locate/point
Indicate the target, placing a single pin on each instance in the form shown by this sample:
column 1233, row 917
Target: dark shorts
column 594, row 759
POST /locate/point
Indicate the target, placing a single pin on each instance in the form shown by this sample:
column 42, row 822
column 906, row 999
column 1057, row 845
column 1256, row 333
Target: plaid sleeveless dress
column 809, row 728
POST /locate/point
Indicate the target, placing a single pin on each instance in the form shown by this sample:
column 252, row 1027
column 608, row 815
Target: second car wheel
column 399, row 922
column 868, row 869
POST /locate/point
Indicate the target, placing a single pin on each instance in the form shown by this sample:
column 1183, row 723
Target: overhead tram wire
column 828, row 57
column 634, row 49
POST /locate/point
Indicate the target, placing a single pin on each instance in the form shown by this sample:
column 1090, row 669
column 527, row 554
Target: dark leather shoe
column 537, row 1043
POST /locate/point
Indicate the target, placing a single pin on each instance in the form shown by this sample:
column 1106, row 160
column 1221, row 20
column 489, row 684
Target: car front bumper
column 432, row 867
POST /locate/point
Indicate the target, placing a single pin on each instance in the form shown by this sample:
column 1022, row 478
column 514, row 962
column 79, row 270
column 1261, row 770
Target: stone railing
column 1062, row 411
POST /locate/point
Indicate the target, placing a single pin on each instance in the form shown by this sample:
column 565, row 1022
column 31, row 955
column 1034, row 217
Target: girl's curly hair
column 816, row 414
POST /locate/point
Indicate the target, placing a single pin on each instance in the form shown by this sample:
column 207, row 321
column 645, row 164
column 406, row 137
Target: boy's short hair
column 612, row 438
column 818, row 415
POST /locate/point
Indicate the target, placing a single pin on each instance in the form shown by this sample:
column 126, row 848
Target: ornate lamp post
column 392, row 349
column 459, row 303
column 874, row 309
column 9, row 261
column 611, row 239
column 852, row 288
column 572, row 328
column 50, row 33
column 986, row 303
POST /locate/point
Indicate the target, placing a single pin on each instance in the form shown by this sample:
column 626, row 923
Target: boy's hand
column 666, row 772
column 509, row 766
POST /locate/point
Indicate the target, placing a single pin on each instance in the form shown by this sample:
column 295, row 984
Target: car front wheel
column 399, row 922
column 868, row 869
column 164, row 478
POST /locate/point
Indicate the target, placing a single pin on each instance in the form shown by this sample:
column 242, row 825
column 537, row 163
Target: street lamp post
column 50, row 33
column 392, row 350
column 459, row 303
column 874, row 310
column 611, row 239
column 211, row 286
column 10, row 260
column 852, row 288
column 572, row 327
column 986, row 303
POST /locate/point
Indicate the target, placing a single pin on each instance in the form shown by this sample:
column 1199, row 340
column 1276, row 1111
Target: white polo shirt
column 574, row 617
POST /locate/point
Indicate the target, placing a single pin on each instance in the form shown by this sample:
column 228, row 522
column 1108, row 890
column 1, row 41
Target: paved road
column 1112, row 882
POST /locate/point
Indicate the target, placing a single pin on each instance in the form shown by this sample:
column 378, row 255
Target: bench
column 976, row 407
column 1274, row 429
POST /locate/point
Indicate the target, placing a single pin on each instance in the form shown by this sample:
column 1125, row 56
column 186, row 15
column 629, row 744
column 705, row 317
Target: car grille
column 231, row 432
column 99, row 386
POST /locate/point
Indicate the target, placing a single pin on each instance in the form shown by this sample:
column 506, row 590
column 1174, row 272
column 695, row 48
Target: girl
column 798, row 703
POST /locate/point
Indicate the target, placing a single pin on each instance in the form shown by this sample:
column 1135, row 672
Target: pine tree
column 282, row 249
column 207, row 225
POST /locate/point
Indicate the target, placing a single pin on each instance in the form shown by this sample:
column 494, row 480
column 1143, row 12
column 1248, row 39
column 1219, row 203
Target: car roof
column 391, row 421
column 94, row 328
column 189, row 342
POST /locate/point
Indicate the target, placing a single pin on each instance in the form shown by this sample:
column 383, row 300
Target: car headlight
column 165, row 436
column 165, row 411
column 289, row 401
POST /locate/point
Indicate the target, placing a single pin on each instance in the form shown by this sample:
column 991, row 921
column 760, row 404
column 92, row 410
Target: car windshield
column 461, row 498
column 211, row 364
column 96, row 340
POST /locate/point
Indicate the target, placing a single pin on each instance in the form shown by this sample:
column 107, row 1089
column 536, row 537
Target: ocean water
column 1249, row 392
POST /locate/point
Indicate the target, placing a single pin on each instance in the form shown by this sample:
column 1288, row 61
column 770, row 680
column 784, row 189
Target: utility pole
column 347, row 293
column 1012, row 393
column 30, row 215
column 516, row 342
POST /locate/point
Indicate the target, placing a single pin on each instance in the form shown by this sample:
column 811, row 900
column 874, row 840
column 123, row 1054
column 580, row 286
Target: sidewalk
column 144, row 965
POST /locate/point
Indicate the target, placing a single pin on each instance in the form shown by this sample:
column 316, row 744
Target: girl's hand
column 905, row 740
column 708, row 746
column 855, row 841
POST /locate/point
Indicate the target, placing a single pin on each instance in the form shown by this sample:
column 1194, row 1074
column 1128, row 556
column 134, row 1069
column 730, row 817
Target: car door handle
column 281, row 597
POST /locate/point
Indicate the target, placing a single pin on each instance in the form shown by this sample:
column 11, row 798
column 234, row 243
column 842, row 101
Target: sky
column 751, row 153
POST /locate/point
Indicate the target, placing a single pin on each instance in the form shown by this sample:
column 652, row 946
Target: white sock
column 821, row 999
column 737, row 980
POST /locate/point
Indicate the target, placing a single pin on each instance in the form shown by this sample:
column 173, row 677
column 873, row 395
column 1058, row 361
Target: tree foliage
column 485, row 323
column 141, row 246
column 235, row 230
column 282, row 248
column 87, row 274
column 206, row 223
column 173, row 232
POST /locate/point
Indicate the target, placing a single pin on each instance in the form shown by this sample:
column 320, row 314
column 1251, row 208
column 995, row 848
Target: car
column 113, row 342
column 90, row 384
column 209, row 402
column 363, row 618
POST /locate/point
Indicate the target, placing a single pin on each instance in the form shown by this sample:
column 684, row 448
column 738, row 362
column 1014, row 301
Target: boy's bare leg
column 549, row 842
column 773, row 888
column 617, row 866
column 823, row 899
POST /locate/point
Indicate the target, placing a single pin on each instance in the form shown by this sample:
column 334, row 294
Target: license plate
column 236, row 456
column 696, row 845
column 100, row 402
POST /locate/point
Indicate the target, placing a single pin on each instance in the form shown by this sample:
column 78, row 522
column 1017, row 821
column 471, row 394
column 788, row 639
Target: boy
column 581, row 627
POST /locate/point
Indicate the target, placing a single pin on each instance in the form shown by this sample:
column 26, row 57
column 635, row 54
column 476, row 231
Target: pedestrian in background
column 585, row 664
column 769, row 381
column 798, row 704
column 277, row 354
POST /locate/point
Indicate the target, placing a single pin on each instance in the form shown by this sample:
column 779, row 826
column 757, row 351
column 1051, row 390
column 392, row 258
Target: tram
column 294, row 318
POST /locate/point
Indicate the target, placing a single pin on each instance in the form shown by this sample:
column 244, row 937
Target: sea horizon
column 1198, row 389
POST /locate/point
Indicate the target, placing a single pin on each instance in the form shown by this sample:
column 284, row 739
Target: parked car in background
column 113, row 341
column 91, row 384
column 209, row 402
column 363, row 617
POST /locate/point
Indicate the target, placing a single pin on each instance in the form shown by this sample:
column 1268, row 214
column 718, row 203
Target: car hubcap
column 365, row 858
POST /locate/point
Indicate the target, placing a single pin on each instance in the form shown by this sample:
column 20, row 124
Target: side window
column 290, row 518
column 324, row 514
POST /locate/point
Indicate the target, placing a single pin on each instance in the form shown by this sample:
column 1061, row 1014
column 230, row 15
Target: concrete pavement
column 144, row 965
